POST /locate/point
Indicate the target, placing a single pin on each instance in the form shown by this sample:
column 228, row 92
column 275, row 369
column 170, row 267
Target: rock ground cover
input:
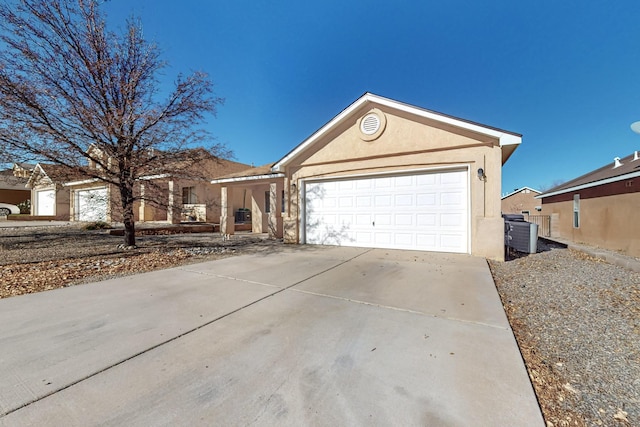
column 577, row 322
column 576, row 318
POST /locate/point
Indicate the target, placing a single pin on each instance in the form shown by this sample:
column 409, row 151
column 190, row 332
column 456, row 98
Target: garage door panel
column 382, row 219
column 403, row 181
column 46, row 202
column 363, row 220
column 404, row 240
column 382, row 239
column 426, row 211
column 345, row 202
column 364, row 201
column 426, row 199
column 382, row 183
column 364, row 238
column 451, row 241
column 452, row 220
column 403, row 219
column 91, row 205
column 404, row 200
column 452, row 199
column 426, row 220
column 453, row 178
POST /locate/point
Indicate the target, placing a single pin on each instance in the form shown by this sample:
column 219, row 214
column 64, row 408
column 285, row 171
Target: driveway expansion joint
column 405, row 310
column 175, row 338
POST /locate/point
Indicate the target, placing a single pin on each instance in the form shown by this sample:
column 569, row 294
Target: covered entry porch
column 254, row 202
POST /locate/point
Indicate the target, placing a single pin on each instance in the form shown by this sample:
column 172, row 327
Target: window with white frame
column 189, row 196
column 576, row 211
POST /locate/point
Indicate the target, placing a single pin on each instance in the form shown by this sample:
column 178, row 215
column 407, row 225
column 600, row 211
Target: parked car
column 8, row 209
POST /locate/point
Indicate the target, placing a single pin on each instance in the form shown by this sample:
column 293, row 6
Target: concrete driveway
column 298, row 336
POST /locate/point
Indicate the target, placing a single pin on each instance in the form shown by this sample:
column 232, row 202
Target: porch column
column 170, row 205
column 290, row 226
column 142, row 204
column 275, row 212
column 227, row 220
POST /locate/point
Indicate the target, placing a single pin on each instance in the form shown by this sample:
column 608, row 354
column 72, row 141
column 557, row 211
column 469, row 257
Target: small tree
column 74, row 94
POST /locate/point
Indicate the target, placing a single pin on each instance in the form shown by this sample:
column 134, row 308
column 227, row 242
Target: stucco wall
column 410, row 144
column 607, row 222
column 521, row 201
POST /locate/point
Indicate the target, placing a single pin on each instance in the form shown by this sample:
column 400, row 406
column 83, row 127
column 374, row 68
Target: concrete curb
column 611, row 257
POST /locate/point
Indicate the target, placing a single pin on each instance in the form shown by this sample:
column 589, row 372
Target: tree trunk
column 126, row 196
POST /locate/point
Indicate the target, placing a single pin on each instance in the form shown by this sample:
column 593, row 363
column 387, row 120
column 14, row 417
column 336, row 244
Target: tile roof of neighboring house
column 516, row 191
column 605, row 174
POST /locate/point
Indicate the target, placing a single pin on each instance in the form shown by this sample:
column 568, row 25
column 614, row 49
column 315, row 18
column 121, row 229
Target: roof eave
column 590, row 184
column 508, row 140
column 262, row 177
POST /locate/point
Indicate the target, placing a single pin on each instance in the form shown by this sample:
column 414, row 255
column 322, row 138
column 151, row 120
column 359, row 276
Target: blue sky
column 564, row 74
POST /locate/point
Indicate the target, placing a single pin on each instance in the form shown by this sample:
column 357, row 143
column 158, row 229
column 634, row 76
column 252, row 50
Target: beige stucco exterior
column 409, row 144
column 406, row 141
column 522, row 201
column 606, row 221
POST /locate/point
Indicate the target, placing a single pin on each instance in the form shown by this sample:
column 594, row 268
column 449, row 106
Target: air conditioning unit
column 519, row 234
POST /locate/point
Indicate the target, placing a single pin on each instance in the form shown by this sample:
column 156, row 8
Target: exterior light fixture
column 481, row 175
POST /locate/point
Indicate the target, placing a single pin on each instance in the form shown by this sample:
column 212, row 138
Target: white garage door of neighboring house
column 426, row 211
column 46, row 202
column 91, row 205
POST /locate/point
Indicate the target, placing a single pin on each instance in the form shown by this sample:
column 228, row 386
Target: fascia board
column 504, row 138
column 591, row 184
column 279, row 166
column 247, row 178
column 85, row 181
column 519, row 190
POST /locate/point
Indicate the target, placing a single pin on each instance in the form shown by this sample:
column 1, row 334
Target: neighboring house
column 13, row 188
column 521, row 201
column 48, row 196
column 23, row 170
column 165, row 198
column 383, row 174
column 68, row 194
column 599, row 208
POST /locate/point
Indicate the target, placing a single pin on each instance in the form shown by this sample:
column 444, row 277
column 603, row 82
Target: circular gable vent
column 370, row 124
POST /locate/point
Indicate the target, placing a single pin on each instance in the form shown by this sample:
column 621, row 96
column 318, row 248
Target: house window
column 189, row 196
column 524, row 212
column 576, row 211
column 267, row 201
column 282, row 201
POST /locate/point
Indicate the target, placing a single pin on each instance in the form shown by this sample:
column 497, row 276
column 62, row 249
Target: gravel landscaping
column 576, row 318
column 34, row 259
column 577, row 322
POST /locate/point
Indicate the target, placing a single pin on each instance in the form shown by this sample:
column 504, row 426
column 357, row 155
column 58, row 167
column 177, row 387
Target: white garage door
column 46, row 202
column 427, row 211
column 92, row 204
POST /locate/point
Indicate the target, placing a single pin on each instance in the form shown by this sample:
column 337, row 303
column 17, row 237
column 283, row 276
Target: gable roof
column 629, row 168
column 509, row 141
column 516, row 191
column 57, row 174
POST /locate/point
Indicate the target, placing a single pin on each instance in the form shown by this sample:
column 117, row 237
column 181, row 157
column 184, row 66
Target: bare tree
column 77, row 95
